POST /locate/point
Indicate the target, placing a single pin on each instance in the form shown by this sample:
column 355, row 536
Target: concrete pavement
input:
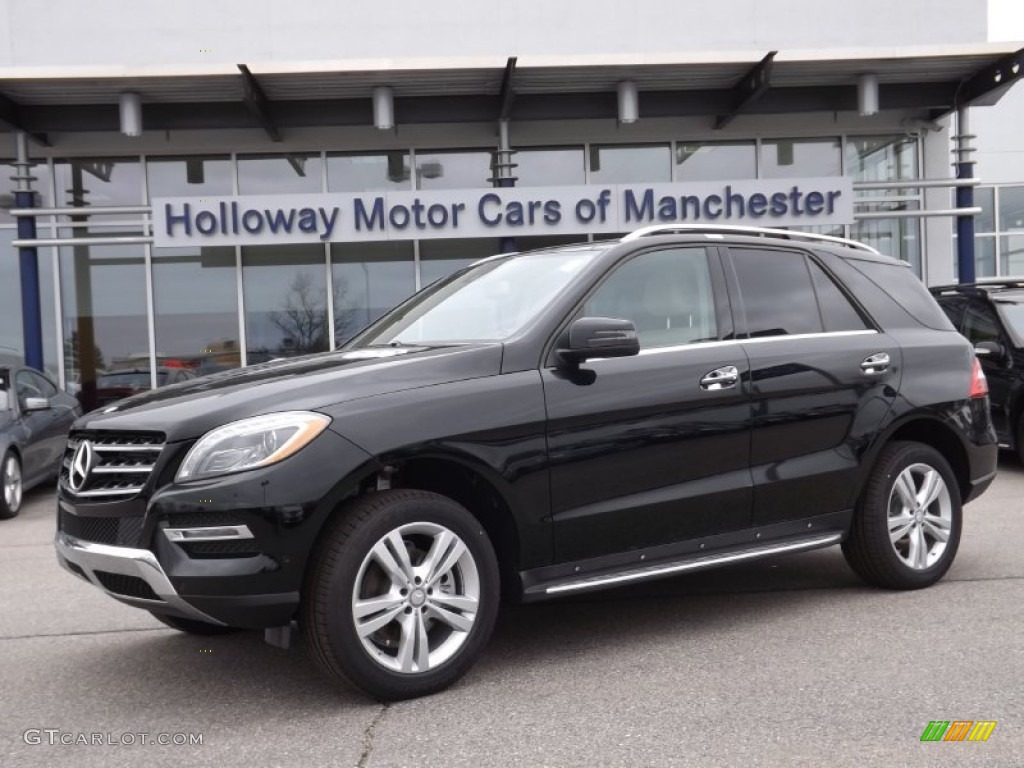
column 790, row 661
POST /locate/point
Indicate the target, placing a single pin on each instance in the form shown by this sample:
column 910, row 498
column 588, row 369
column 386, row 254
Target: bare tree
column 304, row 319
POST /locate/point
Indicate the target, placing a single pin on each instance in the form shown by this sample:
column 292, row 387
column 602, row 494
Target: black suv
column 536, row 425
column 990, row 313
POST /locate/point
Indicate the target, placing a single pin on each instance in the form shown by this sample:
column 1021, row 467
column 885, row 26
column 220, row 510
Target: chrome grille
column 123, row 462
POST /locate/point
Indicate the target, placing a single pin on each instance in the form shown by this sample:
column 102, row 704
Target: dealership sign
column 496, row 212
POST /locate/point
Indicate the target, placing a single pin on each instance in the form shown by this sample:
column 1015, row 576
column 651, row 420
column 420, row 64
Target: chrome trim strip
column 755, row 340
column 210, row 533
column 127, row 448
column 705, row 562
column 800, row 336
column 140, row 563
column 109, row 470
column 104, row 492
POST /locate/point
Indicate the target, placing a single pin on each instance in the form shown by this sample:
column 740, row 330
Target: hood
column 188, row 410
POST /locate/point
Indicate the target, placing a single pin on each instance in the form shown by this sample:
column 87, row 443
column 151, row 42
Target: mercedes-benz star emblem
column 81, row 465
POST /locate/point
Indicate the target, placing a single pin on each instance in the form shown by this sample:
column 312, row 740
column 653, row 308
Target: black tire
column 327, row 621
column 192, row 626
column 7, row 510
column 868, row 548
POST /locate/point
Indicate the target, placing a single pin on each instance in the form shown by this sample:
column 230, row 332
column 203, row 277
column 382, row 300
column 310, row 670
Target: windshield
column 487, row 302
column 1013, row 316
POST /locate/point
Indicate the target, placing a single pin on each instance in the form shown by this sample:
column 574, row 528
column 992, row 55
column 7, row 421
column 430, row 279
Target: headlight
column 251, row 443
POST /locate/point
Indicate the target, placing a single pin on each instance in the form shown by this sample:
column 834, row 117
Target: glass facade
column 211, row 308
column 103, row 296
column 617, row 164
column 195, row 308
column 285, row 293
column 796, row 158
column 999, row 231
column 715, row 160
column 369, row 279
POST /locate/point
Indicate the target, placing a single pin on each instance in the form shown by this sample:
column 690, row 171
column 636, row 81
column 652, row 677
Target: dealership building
column 196, row 186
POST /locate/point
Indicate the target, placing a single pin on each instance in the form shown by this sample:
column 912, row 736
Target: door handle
column 720, row 378
column 875, row 364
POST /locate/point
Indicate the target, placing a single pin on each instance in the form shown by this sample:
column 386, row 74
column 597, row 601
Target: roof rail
column 720, row 230
column 983, row 282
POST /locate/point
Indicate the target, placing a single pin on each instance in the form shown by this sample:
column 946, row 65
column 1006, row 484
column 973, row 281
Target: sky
column 1005, row 20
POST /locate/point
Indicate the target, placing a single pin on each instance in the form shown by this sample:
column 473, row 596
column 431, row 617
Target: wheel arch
column 476, row 489
column 928, row 430
column 457, row 477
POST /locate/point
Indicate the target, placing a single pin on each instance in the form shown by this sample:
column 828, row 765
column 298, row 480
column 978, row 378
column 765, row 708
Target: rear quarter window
column 901, row 285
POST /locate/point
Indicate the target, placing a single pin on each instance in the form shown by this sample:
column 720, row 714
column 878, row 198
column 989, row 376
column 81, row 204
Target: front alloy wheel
column 11, row 486
column 416, row 597
column 402, row 594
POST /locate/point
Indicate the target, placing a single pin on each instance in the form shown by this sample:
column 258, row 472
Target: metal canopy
column 338, row 93
column 256, row 101
column 752, row 87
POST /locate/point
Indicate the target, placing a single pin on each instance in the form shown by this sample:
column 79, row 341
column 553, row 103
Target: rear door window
column 837, row 313
column 777, row 293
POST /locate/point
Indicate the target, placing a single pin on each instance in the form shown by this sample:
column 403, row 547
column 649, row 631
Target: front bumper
column 230, row 550
column 143, row 582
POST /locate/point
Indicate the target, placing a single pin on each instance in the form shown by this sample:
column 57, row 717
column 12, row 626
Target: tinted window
column 667, row 294
column 903, row 287
column 777, row 293
column 1013, row 317
column 837, row 313
column 953, row 307
column 980, row 324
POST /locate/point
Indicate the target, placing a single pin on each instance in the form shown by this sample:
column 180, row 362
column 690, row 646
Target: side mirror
column 992, row 350
column 596, row 337
column 36, row 404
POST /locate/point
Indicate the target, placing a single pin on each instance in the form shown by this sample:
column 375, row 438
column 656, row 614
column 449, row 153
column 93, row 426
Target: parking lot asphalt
column 784, row 662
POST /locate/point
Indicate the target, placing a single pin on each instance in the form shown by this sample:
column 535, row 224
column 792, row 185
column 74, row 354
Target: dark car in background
column 35, row 417
column 536, row 425
column 990, row 313
column 118, row 384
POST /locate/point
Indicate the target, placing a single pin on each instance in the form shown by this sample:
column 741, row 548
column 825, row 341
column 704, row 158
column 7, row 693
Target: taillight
column 979, row 384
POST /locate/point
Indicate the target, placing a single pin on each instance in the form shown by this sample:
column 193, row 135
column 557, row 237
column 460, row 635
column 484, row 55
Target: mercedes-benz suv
column 537, row 425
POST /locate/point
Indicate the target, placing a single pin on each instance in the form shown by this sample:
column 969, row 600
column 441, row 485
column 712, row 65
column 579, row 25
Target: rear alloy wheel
column 403, row 595
column 907, row 526
column 12, row 488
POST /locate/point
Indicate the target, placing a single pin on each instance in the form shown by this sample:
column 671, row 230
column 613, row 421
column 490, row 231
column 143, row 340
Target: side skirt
column 697, row 554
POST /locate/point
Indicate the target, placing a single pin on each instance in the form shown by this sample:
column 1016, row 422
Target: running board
column 684, row 564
